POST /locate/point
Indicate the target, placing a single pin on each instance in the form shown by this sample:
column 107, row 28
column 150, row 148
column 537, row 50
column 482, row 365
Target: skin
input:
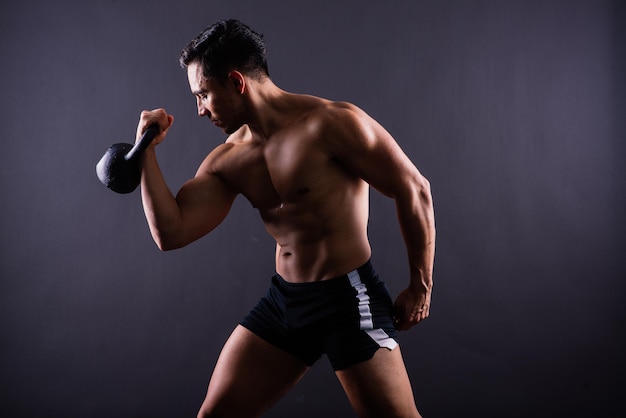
column 306, row 165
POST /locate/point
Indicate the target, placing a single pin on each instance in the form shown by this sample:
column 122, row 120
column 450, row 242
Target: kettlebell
column 119, row 169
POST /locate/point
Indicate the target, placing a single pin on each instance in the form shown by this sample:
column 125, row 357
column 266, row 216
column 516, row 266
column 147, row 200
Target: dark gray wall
column 513, row 109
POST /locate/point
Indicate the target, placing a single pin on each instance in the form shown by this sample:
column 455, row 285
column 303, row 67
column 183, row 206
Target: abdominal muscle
column 322, row 260
column 314, row 246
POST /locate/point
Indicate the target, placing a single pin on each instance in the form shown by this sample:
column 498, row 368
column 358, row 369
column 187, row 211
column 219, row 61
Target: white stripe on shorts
column 364, row 300
column 379, row 336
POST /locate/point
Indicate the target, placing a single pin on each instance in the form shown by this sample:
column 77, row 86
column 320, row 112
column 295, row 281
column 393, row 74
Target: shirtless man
column 306, row 165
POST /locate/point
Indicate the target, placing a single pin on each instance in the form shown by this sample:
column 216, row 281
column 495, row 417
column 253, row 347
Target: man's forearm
column 159, row 204
column 417, row 222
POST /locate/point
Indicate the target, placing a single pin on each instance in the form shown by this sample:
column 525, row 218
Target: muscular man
column 306, row 165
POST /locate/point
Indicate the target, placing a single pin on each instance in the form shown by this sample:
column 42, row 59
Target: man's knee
column 233, row 410
column 210, row 411
column 206, row 412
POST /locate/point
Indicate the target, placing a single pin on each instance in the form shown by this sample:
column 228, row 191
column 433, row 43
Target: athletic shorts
column 348, row 318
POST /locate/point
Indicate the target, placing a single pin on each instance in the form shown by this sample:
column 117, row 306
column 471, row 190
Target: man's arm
column 201, row 204
column 417, row 222
column 370, row 152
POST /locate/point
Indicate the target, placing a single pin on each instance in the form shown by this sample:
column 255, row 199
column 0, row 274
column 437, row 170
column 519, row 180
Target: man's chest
column 278, row 172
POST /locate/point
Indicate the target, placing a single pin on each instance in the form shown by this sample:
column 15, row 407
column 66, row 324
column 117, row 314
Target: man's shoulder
column 323, row 106
column 238, row 148
column 335, row 118
column 317, row 112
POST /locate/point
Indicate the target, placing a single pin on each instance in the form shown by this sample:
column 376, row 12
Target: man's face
column 220, row 102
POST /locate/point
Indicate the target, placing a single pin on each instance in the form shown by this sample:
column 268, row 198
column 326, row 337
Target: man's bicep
column 204, row 202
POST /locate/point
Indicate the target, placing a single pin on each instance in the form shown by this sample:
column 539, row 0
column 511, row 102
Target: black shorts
column 348, row 318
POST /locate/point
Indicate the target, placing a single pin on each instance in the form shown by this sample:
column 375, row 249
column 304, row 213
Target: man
column 306, row 165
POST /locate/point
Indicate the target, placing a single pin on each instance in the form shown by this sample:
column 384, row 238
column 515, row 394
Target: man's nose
column 201, row 109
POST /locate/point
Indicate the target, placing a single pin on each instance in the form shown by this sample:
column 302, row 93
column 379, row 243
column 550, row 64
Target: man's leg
column 249, row 377
column 380, row 387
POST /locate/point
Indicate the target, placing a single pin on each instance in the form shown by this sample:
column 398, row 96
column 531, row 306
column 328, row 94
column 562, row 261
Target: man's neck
column 268, row 106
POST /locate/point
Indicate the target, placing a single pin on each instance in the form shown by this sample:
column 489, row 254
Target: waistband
column 366, row 273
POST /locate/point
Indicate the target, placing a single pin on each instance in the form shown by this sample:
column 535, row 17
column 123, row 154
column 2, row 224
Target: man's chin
column 229, row 130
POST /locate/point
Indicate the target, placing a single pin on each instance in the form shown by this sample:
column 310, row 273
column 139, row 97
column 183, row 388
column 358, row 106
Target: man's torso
column 311, row 204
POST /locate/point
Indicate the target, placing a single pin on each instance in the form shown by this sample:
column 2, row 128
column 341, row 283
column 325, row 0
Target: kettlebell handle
column 146, row 139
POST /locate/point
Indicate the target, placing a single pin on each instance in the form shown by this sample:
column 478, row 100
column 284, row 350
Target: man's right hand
column 151, row 117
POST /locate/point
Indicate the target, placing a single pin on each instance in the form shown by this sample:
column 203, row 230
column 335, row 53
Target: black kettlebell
column 119, row 168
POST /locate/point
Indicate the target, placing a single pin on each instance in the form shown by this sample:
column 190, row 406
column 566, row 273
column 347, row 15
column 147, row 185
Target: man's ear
column 237, row 80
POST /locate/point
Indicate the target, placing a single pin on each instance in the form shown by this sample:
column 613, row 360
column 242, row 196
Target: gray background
column 513, row 109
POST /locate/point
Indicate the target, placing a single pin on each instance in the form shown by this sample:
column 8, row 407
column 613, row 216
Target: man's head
column 226, row 46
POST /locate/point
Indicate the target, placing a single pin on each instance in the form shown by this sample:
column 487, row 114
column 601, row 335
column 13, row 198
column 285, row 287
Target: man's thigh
column 380, row 387
column 249, row 377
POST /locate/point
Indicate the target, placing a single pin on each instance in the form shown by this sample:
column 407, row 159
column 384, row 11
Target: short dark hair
column 225, row 46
